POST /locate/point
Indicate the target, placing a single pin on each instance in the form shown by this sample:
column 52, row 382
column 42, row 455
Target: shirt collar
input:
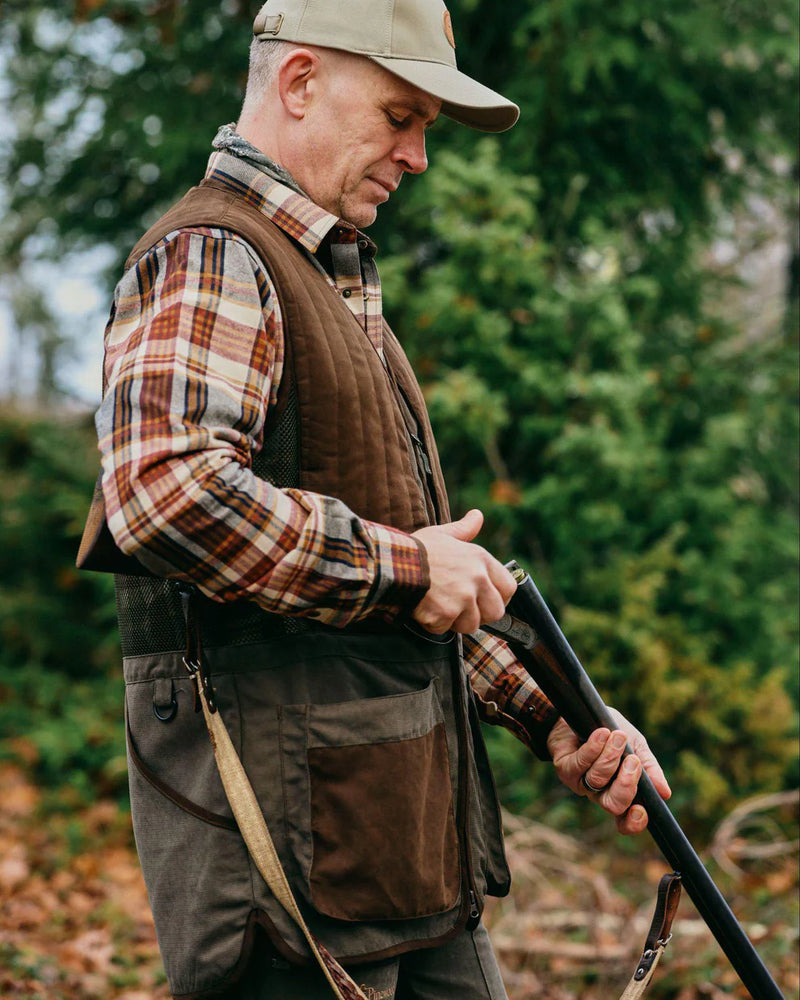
column 229, row 140
column 256, row 180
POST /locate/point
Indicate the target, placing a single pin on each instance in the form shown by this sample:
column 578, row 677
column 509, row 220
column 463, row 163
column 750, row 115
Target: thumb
column 465, row 529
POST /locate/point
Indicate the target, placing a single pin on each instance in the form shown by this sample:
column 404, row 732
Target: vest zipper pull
column 474, row 912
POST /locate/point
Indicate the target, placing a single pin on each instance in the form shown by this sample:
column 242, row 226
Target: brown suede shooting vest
column 362, row 744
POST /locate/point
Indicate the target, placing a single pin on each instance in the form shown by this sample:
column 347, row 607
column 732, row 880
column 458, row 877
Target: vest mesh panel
column 149, row 610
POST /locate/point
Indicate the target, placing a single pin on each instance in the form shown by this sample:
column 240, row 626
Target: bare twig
column 730, row 843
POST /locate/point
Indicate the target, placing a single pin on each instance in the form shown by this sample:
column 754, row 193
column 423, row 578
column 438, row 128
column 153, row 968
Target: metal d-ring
column 172, row 708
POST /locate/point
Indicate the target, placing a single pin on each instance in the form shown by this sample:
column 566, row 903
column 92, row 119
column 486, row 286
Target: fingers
column 619, row 795
column 601, row 762
column 640, row 747
column 617, row 798
column 602, row 769
column 633, row 821
column 620, row 786
column 503, row 582
column 466, row 528
column 651, row 766
column 468, row 586
column 573, row 759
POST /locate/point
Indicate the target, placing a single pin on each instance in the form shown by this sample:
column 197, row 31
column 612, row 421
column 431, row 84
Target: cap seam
column 372, row 53
column 389, row 33
column 409, row 58
column 301, row 19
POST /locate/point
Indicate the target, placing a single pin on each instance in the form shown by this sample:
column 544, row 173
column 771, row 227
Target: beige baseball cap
column 411, row 38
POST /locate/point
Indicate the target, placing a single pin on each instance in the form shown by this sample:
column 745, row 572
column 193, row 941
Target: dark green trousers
column 463, row 969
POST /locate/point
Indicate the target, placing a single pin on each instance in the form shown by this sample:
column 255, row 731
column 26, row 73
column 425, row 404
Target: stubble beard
column 360, row 213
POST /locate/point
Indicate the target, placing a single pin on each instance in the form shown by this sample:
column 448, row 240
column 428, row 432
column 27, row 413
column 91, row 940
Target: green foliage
column 625, row 437
column 634, row 460
column 60, row 682
column 106, row 99
column 634, row 107
column 69, row 730
column 51, row 616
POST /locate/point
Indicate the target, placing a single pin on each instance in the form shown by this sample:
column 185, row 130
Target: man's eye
column 395, row 122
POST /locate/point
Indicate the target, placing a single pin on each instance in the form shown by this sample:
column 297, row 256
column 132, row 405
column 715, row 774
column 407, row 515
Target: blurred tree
column 630, row 112
column 60, row 685
column 114, row 105
column 551, row 288
column 640, row 466
column 51, row 616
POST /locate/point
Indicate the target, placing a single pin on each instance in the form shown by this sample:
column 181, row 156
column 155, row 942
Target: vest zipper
column 425, row 464
column 423, row 472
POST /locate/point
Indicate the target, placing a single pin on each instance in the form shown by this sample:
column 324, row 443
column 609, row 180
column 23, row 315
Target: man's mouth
column 389, row 187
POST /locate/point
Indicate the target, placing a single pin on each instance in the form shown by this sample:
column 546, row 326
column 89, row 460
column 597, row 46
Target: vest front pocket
column 370, row 806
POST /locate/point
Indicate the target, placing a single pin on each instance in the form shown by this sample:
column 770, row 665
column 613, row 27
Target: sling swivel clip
column 201, row 681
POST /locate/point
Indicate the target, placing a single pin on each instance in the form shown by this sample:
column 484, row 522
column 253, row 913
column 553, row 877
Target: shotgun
column 534, row 635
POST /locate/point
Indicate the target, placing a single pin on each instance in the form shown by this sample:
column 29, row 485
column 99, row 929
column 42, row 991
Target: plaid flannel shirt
column 194, row 356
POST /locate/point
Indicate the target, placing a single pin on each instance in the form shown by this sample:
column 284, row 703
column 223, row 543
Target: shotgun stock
column 534, row 635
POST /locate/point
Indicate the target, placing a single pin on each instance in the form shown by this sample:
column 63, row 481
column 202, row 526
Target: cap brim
column 463, row 99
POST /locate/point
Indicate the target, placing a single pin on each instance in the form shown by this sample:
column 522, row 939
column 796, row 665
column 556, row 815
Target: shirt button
column 347, row 293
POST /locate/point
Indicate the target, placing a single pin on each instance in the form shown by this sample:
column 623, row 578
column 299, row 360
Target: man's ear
column 298, row 77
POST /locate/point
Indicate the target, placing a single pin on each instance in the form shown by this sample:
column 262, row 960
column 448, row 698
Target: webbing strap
column 247, row 812
column 255, row 832
column 669, row 894
column 637, row 988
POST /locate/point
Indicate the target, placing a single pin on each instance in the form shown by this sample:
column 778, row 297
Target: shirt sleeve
column 505, row 692
column 194, row 356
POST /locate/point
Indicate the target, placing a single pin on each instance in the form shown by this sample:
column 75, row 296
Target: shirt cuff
column 506, row 694
column 402, row 578
column 531, row 725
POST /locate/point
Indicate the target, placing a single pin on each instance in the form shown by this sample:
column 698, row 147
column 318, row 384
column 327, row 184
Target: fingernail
column 630, row 764
column 618, row 741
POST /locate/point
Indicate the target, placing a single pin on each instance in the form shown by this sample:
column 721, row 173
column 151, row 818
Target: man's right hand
column 468, row 585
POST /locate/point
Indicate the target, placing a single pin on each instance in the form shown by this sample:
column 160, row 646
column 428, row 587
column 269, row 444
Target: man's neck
column 230, row 141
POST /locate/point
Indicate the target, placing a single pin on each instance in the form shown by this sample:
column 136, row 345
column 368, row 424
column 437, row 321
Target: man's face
column 364, row 130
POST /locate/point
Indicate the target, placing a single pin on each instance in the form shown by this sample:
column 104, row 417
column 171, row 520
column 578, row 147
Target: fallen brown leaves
column 74, row 918
column 576, row 920
column 75, row 923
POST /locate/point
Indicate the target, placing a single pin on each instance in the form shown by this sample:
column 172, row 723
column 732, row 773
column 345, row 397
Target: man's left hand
column 596, row 764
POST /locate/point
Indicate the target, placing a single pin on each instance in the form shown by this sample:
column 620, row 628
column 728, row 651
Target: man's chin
column 361, row 216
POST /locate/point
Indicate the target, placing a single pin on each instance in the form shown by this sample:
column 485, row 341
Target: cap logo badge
column 448, row 28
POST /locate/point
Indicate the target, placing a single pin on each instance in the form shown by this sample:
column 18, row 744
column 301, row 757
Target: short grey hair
column 265, row 57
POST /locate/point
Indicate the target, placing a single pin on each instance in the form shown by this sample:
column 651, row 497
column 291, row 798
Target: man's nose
column 410, row 152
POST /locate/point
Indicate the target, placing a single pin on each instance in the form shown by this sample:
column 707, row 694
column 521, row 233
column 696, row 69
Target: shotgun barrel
column 553, row 664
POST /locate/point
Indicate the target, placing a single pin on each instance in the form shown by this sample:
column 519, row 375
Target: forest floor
column 75, row 923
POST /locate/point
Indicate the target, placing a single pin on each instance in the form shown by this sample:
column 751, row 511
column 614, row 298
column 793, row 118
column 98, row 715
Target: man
column 264, row 439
